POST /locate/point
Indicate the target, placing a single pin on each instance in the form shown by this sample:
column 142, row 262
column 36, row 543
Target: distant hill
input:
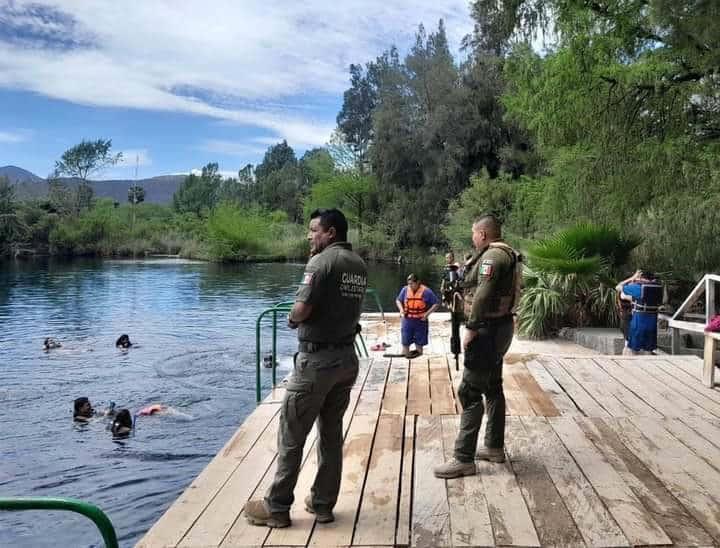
column 158, row 190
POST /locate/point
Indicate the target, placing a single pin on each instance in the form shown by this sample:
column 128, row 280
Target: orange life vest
column 414, row 305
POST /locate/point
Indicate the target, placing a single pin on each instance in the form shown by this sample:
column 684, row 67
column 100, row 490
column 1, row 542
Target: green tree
column 278, row 181
column 136, row 195
column 198, row 193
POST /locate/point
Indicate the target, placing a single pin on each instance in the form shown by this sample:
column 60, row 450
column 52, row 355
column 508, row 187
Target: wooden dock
column 602, row 451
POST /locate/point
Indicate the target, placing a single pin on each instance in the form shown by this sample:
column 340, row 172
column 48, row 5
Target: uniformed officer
column 489, row 294
column 326, row 314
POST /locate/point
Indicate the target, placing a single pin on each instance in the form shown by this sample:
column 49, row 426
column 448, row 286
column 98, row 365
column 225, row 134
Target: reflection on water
column 194, row 327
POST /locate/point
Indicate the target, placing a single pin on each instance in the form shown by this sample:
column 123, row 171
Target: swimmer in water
column 123, row 341
column 50, row 344
column 153, row 409
column 83, row 410
column 122, row 424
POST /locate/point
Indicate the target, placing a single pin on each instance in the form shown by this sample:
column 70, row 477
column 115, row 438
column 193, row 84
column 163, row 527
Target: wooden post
column 709, row 360
column 674, row 340
column 709, row 299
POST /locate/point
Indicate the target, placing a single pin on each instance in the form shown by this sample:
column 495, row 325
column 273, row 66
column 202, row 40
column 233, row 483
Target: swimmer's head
column 122, row 424
column 82, row 408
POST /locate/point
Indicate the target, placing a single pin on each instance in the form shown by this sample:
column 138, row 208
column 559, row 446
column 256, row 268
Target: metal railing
column 285, row 307
column 88, row 510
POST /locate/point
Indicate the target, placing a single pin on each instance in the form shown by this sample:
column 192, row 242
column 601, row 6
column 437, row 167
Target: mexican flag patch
column 308, row 278
column 486, row 268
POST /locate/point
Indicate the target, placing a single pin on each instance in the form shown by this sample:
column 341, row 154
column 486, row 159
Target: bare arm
column 300, row 312
column 433, row 308
column 400, row 308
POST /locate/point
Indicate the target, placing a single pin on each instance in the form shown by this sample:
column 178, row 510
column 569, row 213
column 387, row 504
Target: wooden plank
column 376, row 521
column 303, row 522
column 430, row 520
column 356, row 455
column 665, row 509
column 470, row 523
column 178, row 519
column 649, row 388
column 402, row 537
column 655, row 369
column 547, row 383
column 694, row 441
column 620, row 370
column 709, row 429
column 509, row 514
column 670, row 470
column 553, row 522
column 418, row 388
column 587, row 404
column 680, row 375
column 595, row 524
column 442, row 399
column 395, row 397
column 536, row 396
column 637, row 525
column 516, row 401
column 218, row 517
column 615, row 397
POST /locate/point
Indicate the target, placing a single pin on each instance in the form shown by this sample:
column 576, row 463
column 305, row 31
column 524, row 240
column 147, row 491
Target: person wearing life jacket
column 415, row 302
column 645, row 293
column 491, row 288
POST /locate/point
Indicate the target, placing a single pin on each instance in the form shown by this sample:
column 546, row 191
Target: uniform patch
column 308, row 278
column 487, row 267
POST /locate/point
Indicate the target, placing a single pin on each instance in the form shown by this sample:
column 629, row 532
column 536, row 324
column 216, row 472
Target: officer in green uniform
column 326, row 314
column 489, row 293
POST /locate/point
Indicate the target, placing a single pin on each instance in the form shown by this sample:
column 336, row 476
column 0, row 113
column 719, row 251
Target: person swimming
column 123, row 341
column 50, row 344
column 82, row 409
column 152, row 409
column 122, row 424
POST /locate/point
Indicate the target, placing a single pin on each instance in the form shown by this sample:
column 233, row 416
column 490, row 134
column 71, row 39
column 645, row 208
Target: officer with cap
column 490, row 290
column 326, row 314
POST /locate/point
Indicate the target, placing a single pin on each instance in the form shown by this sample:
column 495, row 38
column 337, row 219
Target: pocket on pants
column 298, row 402
column 480, row 351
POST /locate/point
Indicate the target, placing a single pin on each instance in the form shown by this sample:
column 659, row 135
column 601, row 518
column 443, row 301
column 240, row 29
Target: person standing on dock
column 490, row 292
column 326, row 314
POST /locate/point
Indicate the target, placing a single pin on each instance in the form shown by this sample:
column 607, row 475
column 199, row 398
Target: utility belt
column 637, row 307
column 493, row 321
column 311, row 347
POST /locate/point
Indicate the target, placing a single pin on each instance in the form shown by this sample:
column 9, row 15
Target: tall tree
column 278, row 181
column 198, row 193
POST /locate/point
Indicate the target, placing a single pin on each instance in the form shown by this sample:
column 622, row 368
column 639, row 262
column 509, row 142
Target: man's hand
column 468, row 338
column 292, row 324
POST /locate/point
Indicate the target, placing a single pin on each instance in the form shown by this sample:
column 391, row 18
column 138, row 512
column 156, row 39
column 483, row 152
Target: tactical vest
column 507, row 298
column 414, row 304
column 651, row 297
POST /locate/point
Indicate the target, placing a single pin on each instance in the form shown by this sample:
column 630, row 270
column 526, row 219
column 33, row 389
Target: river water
column 193, row 329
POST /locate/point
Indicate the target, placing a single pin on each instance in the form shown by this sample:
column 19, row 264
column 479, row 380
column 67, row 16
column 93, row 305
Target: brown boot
column 491, row 454
column 257, row 513
column 455, row 469
column 321, row 516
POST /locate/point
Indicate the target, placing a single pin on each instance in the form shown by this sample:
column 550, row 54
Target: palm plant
column 569, row 280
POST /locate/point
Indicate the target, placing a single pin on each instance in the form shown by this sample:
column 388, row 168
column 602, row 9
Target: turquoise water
column 193, row 325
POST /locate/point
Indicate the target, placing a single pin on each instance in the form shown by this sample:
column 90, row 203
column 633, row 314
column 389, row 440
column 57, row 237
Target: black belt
column 310, row 347
column 645, row 308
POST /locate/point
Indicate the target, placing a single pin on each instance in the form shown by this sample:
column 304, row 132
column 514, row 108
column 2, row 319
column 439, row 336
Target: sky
column 179, row 83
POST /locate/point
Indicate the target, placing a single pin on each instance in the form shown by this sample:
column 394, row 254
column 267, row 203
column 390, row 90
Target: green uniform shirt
column 334, row 283
column 488, row 286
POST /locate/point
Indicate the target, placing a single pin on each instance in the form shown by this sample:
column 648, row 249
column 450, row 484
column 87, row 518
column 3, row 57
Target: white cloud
column 243, row 62
column 13, row 137
column 223, row 173
column 232, row 148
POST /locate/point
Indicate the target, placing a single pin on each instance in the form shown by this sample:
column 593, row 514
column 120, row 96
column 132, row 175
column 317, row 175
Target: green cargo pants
column 482, row 375
column 319, row 389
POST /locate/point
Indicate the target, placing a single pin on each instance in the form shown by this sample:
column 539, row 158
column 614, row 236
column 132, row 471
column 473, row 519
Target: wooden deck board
column 603, row 451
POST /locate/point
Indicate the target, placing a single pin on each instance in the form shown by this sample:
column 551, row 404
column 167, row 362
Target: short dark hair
column 491, row 223
column 79, row 402
column 332, row 218
column 412, row 278
column 122, row 419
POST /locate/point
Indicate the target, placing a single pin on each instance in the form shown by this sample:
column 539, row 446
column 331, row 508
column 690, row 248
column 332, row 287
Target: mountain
column 158, row 190
column 17, row 175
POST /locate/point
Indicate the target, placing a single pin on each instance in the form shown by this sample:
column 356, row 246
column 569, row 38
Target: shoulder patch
column 487, row 267
column 308, row 278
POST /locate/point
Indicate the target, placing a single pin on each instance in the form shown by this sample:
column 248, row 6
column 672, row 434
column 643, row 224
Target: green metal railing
column 88, row 510
column 286, row 306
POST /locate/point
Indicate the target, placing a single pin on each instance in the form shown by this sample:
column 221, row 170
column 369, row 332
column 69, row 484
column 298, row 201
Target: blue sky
column 181, row 84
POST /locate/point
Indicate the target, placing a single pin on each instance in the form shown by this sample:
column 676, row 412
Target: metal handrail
column 88, row 510
column 286, row 306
